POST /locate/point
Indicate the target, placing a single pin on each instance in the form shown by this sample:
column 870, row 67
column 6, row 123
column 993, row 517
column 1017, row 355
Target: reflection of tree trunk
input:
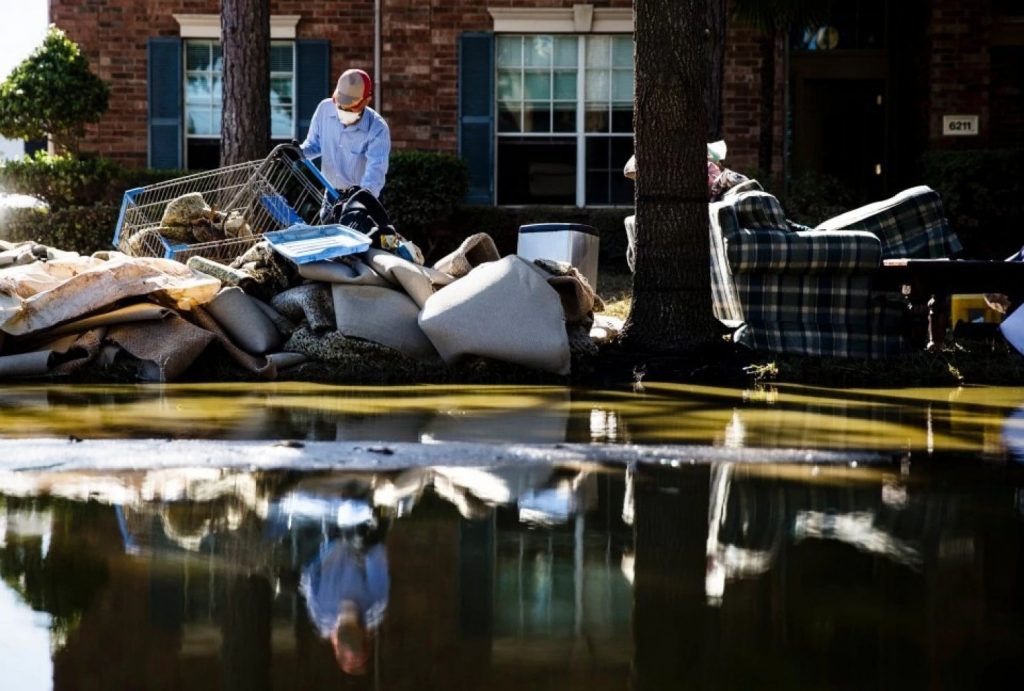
column 670, row 616
column 246, row 652
column 767, row 141
column 716, row 67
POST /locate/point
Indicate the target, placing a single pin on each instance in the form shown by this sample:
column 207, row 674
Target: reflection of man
column 346, row 591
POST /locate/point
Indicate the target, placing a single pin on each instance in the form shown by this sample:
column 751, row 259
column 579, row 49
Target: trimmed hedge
column 82, row 229
column 983, row 195
column 65, row 181
column 422, row 191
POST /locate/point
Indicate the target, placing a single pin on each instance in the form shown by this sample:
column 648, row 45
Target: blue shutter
column 476, row 114
column 163, row 83
column 312, row 81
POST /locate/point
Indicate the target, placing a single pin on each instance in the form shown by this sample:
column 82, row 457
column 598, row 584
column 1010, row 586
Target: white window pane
column 218, row 58
column 622, row 51
column 281, row 123
column 510, row 51
column 536, row 117
column 510, row 117
column 622, row 118
column 281, row 91
column 566, row 52
column 596, row 118
column 563, row 117
column 565, row 86
column 217, row 89
column 597, row 86
column 622, row 86
column 599, row 51
column 197, row 56
column 197, row 89
column 538, row 51
column 215, row 119
column 510, row 85
column 199, row 122
column 538, row 86
column 281, row 58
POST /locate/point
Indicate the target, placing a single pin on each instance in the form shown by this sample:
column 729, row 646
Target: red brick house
column 536, row 94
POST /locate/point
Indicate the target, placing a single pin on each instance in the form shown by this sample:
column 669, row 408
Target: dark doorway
column 840, row 131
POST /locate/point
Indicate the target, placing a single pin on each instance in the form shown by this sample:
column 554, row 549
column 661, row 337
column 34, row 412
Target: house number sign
column 960, row 125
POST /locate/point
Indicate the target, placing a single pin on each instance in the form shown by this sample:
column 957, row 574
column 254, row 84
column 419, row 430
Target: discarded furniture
column 796, row 290
column 930, row 283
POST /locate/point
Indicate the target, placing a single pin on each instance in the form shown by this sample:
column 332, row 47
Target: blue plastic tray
column 303, row 244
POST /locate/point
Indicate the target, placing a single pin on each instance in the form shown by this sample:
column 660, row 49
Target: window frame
column 580, row 134
column 214, row 42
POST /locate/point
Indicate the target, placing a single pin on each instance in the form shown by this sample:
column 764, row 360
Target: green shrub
column 423, row 190
column 82, row 229
column 813, row 198
column 983, row 196
column 65, row 181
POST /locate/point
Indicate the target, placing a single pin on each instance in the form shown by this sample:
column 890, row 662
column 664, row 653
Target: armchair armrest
column 808, row 251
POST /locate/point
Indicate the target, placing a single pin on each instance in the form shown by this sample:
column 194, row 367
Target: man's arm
column 377, row 152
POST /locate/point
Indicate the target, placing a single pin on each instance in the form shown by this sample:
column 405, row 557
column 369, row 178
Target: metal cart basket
column 260, row 196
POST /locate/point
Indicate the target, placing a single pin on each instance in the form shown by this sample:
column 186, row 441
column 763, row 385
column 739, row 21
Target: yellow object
column 971, row 307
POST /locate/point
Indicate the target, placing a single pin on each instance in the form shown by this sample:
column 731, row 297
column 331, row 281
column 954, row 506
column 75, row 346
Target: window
column 564, row 118
column 204, row 63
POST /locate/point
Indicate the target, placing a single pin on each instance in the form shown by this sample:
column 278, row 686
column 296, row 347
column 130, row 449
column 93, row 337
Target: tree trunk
column 245, row 124
column 716, row 64
column 767, row 139
column 671, row 310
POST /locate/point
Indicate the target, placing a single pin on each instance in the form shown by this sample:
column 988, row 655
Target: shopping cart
column 258, row 196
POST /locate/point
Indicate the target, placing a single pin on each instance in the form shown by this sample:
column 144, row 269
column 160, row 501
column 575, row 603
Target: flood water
column 906, row 572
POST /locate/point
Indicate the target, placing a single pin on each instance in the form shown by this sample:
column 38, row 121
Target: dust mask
column 348, row 118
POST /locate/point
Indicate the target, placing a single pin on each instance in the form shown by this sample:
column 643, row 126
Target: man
column 353, row 138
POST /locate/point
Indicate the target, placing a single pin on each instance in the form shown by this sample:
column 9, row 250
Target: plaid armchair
column 911, row 224
column 798, row 290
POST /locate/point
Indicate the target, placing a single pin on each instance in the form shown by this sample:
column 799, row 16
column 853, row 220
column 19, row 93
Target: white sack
column 503, row 310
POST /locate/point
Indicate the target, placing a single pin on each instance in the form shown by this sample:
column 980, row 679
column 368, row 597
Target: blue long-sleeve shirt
column 353, row 156
column 342, row 573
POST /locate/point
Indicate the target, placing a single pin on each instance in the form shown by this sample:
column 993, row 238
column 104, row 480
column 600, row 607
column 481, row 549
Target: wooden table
column 931, row 282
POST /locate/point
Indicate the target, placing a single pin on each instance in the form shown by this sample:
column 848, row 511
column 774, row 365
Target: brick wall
column 419, row 84
column 960, row 68
column 741, row 99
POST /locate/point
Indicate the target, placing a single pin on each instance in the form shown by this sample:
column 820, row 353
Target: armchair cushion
column 911, row 224
column 784, row 251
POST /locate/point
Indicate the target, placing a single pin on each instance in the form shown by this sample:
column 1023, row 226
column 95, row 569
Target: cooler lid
column 555, row 227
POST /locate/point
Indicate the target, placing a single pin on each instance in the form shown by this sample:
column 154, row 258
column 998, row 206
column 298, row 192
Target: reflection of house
column 205, row 596
column 537, row 98
column 750, row 527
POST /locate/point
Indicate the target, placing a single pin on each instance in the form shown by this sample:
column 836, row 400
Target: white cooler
column 573, row 243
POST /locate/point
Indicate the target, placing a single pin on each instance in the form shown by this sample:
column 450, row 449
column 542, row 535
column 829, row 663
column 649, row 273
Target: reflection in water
column 727, row 576
column 346, row 593
column 918, row 421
